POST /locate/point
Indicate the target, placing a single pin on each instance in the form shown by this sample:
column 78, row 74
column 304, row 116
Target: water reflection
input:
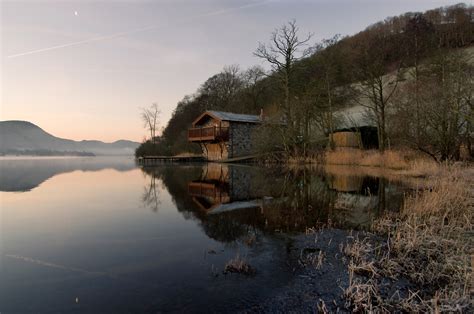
column 86, row 235
column 151, row 193
column 236, row 201
column 24, row 174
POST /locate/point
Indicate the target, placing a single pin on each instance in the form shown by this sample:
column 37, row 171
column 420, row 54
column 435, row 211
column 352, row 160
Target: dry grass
column 312, row 158
column 405, row 161
column 250, row 240
column 369, row 158
column 422, row 167
column 314, row 259
column 363, row 296
column 429, row 244
column 322, row 308
column 239, row 265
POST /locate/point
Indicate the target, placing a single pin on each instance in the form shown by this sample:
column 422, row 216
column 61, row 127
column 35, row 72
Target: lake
column 101, row 234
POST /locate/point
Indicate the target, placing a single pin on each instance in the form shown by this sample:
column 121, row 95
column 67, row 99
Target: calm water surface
column 103, row 235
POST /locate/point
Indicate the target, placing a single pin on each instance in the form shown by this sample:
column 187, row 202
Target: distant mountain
column 23, row 137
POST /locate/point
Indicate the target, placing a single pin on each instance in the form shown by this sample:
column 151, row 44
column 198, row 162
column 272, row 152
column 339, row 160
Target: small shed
column 355, row 129
column 364, row 137
column 224, row 135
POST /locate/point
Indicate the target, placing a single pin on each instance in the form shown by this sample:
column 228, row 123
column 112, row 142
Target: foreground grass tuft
column 239, row 265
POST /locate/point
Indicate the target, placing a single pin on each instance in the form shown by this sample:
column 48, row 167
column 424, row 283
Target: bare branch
column 150, row 118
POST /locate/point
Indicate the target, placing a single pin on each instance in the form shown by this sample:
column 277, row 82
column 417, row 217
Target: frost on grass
column 239, row 265
column 425, row 250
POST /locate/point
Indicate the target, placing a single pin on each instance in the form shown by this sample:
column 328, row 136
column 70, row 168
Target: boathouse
column 224, row 135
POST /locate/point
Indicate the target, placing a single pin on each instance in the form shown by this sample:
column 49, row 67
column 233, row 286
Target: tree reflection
column 151, row 193
column 235, row 202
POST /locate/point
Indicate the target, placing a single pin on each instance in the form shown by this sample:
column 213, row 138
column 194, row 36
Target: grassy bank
column 418, row 259
column 405, row 162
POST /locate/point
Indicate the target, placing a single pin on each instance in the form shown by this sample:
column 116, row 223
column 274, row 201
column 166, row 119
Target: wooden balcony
column 213, row 133
column 210, row 190
column 202, row 189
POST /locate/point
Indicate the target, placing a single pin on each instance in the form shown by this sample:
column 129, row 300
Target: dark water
column 103, row 235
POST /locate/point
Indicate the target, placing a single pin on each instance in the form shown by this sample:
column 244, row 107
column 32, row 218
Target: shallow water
column 104, row 235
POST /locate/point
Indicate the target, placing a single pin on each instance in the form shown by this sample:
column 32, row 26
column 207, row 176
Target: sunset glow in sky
column 83, row 69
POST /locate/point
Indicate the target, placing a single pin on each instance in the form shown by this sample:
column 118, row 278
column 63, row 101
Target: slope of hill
column 399, row 42
column 20, row 137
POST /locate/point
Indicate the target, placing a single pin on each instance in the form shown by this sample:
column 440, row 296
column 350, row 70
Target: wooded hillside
column 429, row 91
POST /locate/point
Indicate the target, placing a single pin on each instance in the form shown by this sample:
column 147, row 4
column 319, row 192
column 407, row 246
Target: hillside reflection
column 24, row 174
column 235, row 201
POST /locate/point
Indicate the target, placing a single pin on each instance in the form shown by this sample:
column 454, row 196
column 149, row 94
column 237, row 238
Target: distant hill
column 23, row 137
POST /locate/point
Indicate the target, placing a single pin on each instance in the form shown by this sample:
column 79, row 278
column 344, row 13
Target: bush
column 150, row 149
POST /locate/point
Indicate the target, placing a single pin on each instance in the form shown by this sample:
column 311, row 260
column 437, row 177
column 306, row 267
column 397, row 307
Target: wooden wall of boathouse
column 216, row 151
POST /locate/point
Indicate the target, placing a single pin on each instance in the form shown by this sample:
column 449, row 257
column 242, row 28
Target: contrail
column 138, row 30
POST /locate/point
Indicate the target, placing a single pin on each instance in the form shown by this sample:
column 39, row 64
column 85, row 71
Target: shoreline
column 419, row 259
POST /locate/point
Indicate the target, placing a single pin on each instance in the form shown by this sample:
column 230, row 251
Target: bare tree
column 285, row 49
column 330, row 94
column 449, row 111
column 419, row 37
column 221, row 88
column 253, row 85
column 376, row 87
column 282, row 54
column 150, row 120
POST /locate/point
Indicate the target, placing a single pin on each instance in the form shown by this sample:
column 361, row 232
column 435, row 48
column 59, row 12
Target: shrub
column 150, row 149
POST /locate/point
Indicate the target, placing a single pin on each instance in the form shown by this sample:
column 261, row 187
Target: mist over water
column 98, row 234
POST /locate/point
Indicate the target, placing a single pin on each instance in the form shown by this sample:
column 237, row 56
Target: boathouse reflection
column 222, row 188
column 289, row 201
column 234, row 201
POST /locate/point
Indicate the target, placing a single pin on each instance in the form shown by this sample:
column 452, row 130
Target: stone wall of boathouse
column 241, row 139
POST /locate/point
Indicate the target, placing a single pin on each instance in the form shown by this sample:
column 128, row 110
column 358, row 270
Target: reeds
column 422, row 167
column 313, row 259
column 429, row 244
column 238, row 265
column 403, row 162
column 311, row 158
column 369, row 158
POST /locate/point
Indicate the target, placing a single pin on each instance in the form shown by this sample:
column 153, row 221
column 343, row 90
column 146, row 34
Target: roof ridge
column 235, row 117
column 233, row 113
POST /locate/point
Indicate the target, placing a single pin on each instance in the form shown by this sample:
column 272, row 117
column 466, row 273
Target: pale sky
column 83, row 69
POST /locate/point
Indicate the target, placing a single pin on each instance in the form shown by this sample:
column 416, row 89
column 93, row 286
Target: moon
column 76, row 13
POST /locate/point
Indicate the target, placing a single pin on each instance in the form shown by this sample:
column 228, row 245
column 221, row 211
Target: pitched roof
column 353, row 117
column 235, row 117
